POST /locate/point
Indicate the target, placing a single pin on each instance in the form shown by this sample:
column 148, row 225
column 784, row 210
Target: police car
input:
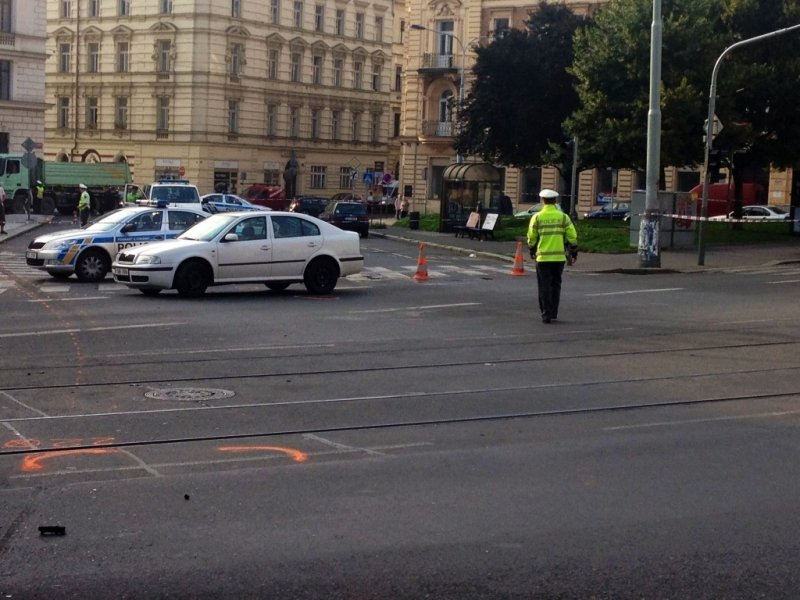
column 89, row 252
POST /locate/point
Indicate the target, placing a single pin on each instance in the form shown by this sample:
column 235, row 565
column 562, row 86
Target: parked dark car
column 619, row 210
column 351, row 216
column 310, row 205
column 346, row 197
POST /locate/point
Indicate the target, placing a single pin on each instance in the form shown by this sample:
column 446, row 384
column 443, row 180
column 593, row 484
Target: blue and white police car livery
column 89, row 252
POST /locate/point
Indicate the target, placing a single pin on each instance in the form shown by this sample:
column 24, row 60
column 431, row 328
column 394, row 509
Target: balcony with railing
column 438, row 63
column 7, row 39
column 438, row 128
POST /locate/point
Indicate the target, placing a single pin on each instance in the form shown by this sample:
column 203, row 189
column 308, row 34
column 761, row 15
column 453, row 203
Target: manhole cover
column 188, row 394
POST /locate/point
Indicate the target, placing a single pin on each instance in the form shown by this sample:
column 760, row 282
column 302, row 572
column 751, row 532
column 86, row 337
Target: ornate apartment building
column 22, row 67
column 226, row 90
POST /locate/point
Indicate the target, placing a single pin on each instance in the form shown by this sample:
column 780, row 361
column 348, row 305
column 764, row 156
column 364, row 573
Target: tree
column 522, row 91
column 612, row 66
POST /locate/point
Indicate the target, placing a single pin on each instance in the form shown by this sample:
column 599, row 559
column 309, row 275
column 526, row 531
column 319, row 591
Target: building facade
column 22, row 73
column 225, row 91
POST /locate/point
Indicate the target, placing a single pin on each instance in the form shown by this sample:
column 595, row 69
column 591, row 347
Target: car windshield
column 112, row 219
column 350, row 209
column 208, row 229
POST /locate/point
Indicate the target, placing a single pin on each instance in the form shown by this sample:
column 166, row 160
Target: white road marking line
column 23, row 405
column 69, row 299
column 428, row 307
column 88, row 330
column 19, row 436
column 327, row 442
column 785, row 281
column 54, row 289
column 767, row 415
column 141, row 463
column 651, row 291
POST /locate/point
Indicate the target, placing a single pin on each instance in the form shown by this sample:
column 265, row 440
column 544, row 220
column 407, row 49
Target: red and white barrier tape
column 725, row 220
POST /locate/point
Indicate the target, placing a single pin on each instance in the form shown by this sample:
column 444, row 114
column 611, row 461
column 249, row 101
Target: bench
column 486, row 230
column 472, row 223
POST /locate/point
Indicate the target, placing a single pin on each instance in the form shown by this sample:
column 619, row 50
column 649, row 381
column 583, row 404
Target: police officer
column 84, row 205
column 551, row 235
column 39, row 195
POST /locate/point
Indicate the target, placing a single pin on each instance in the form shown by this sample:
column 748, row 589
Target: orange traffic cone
column 422, row 265
column 518, row 268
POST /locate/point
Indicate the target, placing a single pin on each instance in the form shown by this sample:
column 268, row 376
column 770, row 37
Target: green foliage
column 522, row 91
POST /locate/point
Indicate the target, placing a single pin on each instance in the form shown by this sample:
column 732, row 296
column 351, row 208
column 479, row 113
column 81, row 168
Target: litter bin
column 413, row 220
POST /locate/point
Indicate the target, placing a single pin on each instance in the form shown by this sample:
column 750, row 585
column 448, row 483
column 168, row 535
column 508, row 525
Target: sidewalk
column 672, row 260
column 17, row 224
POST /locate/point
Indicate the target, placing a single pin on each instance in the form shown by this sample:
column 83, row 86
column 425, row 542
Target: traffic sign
column 367, row 178
column 29, row 145
column 716, row 127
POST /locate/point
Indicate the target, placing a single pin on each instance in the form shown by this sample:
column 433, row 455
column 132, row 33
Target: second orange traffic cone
column 518, row 269
column 422, row 265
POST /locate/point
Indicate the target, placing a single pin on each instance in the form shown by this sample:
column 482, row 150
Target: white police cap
column 546, row 193
column 82, row 186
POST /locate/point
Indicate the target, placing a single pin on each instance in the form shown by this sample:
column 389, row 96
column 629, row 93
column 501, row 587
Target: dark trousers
column 84, row 212
column 548, row 276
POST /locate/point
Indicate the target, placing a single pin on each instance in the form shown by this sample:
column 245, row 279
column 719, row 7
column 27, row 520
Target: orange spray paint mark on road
column 296, row 455
column 33, row 462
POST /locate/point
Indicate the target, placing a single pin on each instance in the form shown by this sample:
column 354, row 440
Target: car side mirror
column 230, row 237
column 128, row 227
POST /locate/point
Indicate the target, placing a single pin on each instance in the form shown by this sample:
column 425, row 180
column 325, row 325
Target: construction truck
column 105, row 181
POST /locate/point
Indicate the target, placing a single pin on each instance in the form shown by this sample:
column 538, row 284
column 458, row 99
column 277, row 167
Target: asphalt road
column 401, row 439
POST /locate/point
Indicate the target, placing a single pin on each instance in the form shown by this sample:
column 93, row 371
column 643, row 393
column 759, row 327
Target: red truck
column 721, row 197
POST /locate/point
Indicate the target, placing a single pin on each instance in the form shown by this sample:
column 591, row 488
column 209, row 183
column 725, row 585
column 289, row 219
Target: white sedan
column 273, row 248
column 757, row 212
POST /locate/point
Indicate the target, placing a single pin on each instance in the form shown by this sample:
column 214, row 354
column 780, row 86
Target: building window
column 64, row 52
column 275, row 11
column 65, row 9
column 272, row 119
column 93, row 57
column 272, row 64
column 318, row 174
column 376, row 77
column 295, row 66
column 356, row 126
column 319, row 18
column 294, row 121
column 375, row 128
column 358, row 70
column 359, row 25
column 273, row 176
column 236, row 8
column 298, row 14
column 162, row 113
column 121, row 112
column 91, row 112
column 317, row 70
column 63, row 112
column 124, row 8
column 233, row 116
column 5, row 80
column 340, row 21
column 165, row 7
column 445, row 29
column 94, row 8
column 398, row 78
column 501, row 28
column 336, row 119
column 164, row 51
column 123, row 54
column 338, row 67
column 5, row 16
column 345, row 178
column 396, row 128
column 237, row 60
column 378, row 29
column 315, row 125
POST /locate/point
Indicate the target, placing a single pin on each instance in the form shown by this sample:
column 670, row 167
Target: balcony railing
column 438, row 62
column 6, row 38
column 438, row 128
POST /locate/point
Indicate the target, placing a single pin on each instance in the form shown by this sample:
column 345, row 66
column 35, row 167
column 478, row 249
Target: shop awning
column 466, row 172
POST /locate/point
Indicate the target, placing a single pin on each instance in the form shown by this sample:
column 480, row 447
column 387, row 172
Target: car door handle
column 265, row 247
column 312, row 244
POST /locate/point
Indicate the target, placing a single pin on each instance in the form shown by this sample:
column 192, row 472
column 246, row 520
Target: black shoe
column 545, row 319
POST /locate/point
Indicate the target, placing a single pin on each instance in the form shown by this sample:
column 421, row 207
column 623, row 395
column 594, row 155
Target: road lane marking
column 20, row 437
column 23, row 405
column 88, row 330
column 767, row 415
column 785, row 281
column 651, row 291
column 327, row 442
column 427, row 307
column 69, row 299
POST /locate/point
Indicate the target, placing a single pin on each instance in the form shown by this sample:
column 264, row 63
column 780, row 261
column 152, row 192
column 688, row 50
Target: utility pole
column 649, row 245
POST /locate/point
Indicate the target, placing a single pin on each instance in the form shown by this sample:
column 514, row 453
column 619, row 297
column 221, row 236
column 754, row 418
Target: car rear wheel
column 92, row 266
column 150, row 291
column 192, row 279
column 321, row 275
column 278, row 286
